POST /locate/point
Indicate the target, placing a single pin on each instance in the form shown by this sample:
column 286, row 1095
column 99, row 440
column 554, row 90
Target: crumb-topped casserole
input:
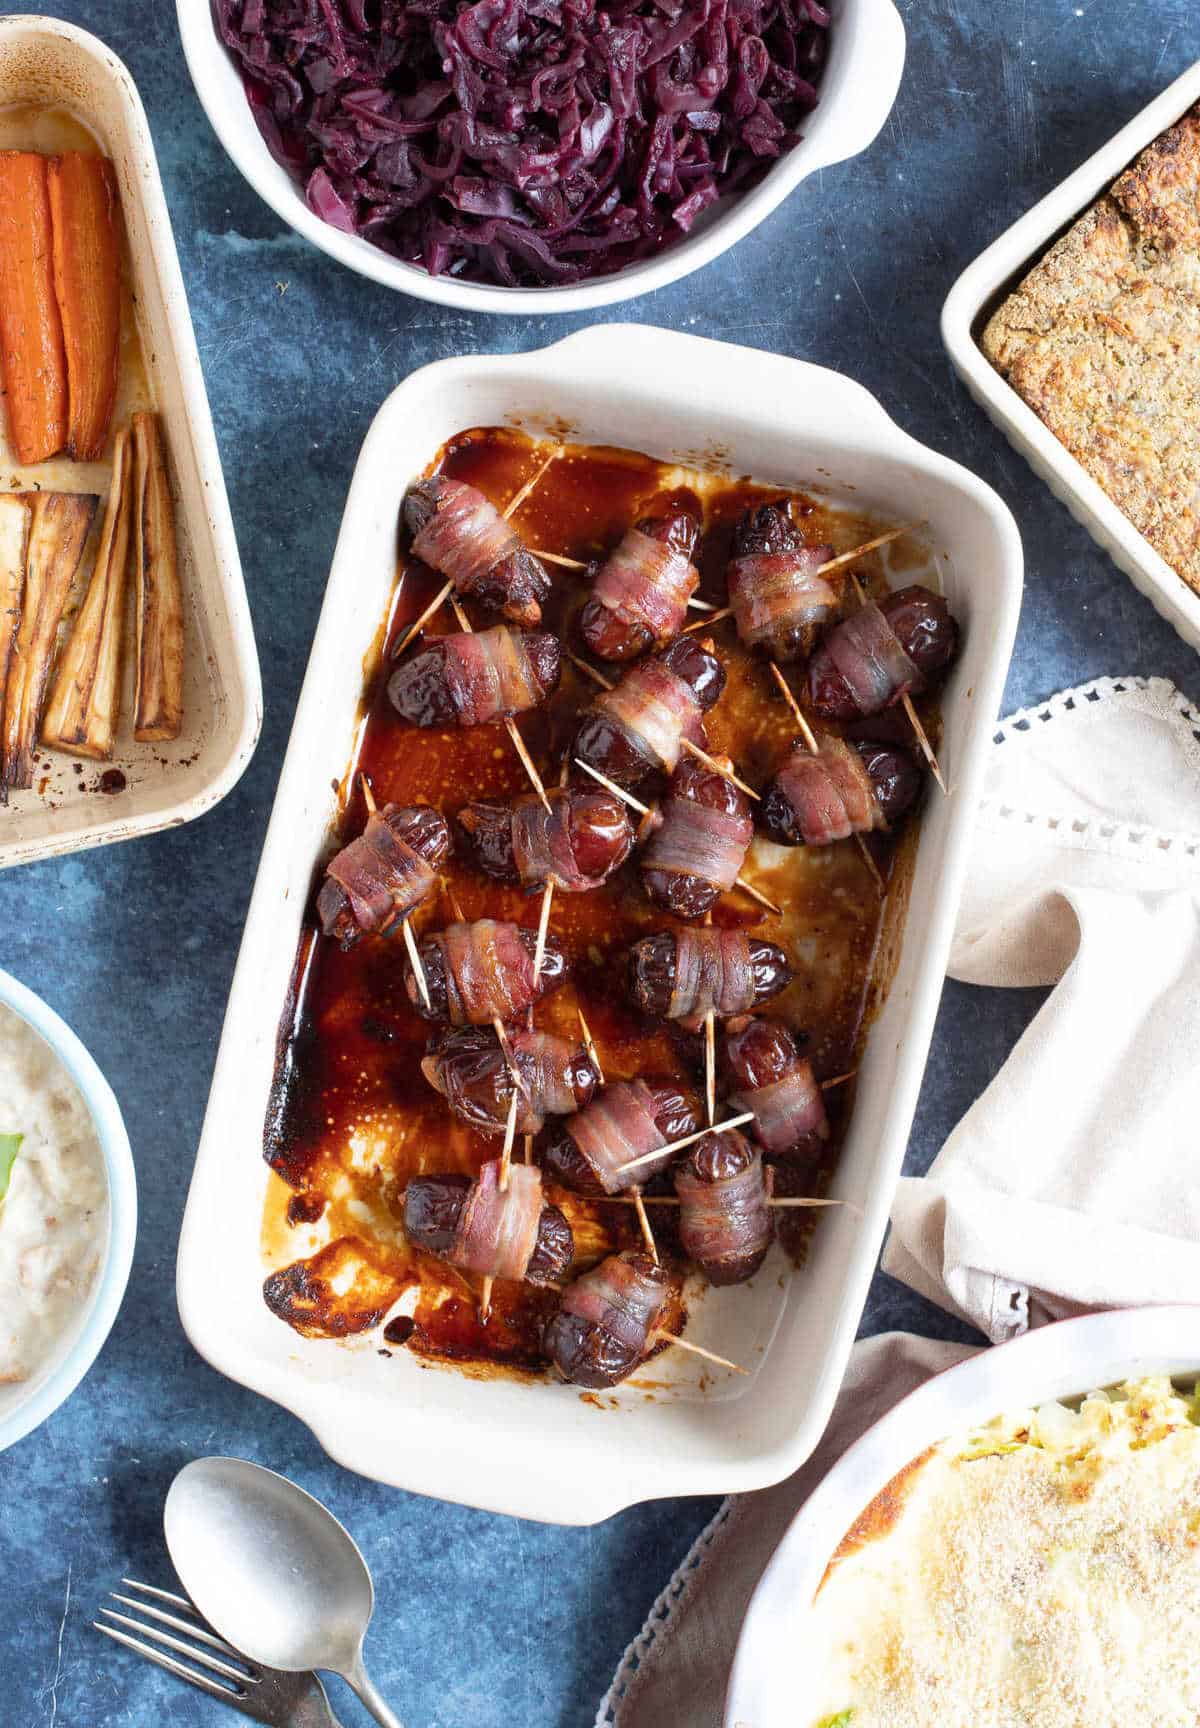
column 1042, row 1570
column 1102, row 340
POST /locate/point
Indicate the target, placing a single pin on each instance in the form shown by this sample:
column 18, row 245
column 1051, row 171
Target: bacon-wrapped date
column 496, row 1232
column 635, row 729
column 606, row 1321
column 577, row 844
column 482, row 971
column 848, row 787
column 468, row 678
column 880, row 653
column 459, row 532
column 471, row 1071
column 778, row 600
column 384, row 874
column 624, row 1121
column 699, row 844
column 640, row 594
column 682, row 975
column 725, row 1222
column 771, row 1078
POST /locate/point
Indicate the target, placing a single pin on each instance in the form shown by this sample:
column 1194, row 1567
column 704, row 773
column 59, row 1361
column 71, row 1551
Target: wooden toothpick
column 661, row 1337
column 589, row 1043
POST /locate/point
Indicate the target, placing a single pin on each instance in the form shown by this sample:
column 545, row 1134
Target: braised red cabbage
column 525, row 142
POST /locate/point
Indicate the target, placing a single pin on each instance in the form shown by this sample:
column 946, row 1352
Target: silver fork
column 264, row 1694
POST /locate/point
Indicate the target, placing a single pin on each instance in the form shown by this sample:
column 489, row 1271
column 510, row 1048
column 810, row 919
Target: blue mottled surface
column 485, row 1621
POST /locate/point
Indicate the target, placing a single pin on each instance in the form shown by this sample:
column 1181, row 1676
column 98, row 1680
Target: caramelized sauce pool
column 351, row 1116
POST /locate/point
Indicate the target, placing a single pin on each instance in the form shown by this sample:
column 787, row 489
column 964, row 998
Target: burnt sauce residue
column 351, row 1117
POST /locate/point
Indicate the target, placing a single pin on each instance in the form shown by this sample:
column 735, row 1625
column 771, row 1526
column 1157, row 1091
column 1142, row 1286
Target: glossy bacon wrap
column 771, row 1078
column 606, row 1320
column 480, row 1227
column 725, row 1223
column 699, row 844
column 471, row 1071
column 778, row 599
column 624, row 1121
column 385, row 874
column 482, row 971
column 470, row 678
column 640, row 595
column 683, row 975
column 634, row 730
column 846, row 788
column 576, row 844
column 879, row 653
column 457, row 531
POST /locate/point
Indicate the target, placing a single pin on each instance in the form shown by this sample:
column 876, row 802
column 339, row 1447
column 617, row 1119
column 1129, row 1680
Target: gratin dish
column 48, row 63
column 767, row 1685
column 25, row 1405
column 707, row 404
column 858, row 88
column 975, row 296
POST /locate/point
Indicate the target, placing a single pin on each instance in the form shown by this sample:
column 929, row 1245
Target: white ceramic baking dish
column 47, row 63
column 862, row 76
column 980, row 289
column 438, row 1431
column 776, row 1664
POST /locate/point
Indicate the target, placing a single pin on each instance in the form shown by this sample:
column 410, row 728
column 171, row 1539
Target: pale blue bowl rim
column 122, row 1204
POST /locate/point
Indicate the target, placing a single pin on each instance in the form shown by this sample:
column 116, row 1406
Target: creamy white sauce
column 54, row 1217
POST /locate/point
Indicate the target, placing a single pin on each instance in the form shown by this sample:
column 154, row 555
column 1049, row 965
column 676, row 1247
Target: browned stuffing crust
column 1102, row 339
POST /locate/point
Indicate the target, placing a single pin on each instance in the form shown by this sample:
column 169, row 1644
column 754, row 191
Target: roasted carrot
column 84, row 706
column 58, row 530
column 31, row 338
column 158, row 706
column 87, row 286
column 14, row 537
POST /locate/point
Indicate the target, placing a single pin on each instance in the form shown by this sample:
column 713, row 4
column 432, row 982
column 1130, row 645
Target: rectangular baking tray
column 541, row 1450
column 981, row 288
column 47, row 63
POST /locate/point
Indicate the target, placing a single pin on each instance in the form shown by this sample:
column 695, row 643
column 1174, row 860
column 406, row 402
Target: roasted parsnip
column 31, row 338
column 158, row 706
column 58, row 531
column 85, row 703
column 14, row 537
column 87, row 286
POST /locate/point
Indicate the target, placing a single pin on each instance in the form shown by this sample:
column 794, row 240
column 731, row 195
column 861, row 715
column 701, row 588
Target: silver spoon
column 272, row 1571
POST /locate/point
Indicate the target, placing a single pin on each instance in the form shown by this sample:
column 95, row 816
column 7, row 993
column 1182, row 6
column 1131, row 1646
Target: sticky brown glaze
column 927, row 632
column 352, row 1118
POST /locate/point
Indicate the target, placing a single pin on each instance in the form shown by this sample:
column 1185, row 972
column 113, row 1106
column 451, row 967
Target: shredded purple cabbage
column 525, row 142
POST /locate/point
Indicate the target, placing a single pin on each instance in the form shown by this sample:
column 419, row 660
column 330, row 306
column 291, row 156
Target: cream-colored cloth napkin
column 1072, row 1183
column 674, row 1673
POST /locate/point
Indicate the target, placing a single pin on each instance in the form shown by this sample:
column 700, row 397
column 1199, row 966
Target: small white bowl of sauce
column 68, row 1210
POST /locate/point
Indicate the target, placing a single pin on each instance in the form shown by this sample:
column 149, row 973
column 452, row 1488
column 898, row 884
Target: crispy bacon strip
column 649, row 581
column 657, row 708
column 867, row 652
column 773, row 594
column 618, row 1126
column 831, row 793
column 625, row 1296
column 498, row 1227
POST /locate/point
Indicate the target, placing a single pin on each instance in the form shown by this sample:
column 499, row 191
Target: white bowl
column 47, row 62
column 979, row 290
column 24, row 1406
column 775, row 1665
column 859, row 85
column 441, row 1432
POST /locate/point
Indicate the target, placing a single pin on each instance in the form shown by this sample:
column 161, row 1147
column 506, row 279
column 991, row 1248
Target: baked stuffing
column 1102, row 339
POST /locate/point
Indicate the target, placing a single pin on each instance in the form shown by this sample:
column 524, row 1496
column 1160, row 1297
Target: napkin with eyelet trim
column 1072, row 1182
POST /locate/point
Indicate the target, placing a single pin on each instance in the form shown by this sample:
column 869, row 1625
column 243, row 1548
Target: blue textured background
column 485, row 1621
